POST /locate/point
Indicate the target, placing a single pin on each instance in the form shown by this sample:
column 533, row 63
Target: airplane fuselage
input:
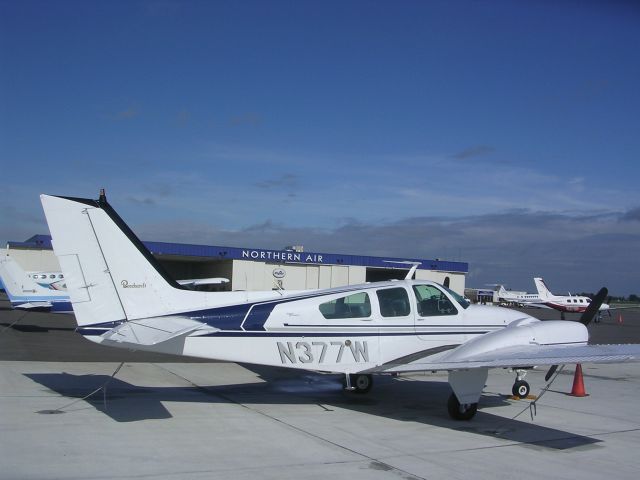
column 339, row 330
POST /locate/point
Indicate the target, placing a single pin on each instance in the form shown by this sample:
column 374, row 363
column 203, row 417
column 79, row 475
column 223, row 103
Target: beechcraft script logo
column 127, row 284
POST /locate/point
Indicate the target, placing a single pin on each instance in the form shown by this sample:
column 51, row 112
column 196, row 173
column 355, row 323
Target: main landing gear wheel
column 459, row 411
column 521, row 389
column 358, row 383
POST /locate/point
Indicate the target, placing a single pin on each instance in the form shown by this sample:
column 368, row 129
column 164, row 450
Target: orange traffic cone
column 578, row 384
column 620, row 318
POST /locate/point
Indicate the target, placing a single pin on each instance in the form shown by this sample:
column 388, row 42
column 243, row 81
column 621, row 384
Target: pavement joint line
column 298, row 429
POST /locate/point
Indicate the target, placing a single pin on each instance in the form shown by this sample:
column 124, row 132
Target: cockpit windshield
column 464, row 303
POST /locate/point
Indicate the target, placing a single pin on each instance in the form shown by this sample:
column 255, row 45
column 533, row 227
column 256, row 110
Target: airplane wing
column 534, row 304
column 621, row 307
column 515, row 356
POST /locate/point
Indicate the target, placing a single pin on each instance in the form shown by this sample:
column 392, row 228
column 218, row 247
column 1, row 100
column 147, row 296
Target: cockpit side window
column 432, row 302
column 394, row 302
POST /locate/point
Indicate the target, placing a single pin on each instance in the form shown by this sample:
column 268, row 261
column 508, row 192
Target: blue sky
column 504, row 134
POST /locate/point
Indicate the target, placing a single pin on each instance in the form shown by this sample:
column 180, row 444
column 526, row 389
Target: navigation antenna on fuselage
column 411, row 271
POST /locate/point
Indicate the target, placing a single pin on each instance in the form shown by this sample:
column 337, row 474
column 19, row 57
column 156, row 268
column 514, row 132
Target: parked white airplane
column 519, row 298
column 33, row 290
column 123, row 298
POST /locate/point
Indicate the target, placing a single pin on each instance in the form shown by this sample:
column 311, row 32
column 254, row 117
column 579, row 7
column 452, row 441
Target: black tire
column 461, row 412
column 521, row 389
column 361, row 382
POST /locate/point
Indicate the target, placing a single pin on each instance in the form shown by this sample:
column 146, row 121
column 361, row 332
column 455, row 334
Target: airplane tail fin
column 13, row 278
column 111, row 276
column 543, row 290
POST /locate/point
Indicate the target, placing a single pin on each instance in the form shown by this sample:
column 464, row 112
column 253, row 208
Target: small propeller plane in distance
column 33, row 291
column 123, row 298
column 570, row 303
column 563, row 303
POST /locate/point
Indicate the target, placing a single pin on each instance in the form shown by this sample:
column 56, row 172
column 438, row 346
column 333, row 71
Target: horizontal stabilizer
column 150, row 332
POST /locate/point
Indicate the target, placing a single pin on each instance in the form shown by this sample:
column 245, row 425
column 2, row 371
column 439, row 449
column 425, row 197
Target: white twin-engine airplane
column 33, row 290
column 123, row 298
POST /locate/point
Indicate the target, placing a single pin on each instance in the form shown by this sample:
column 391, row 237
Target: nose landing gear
column 520, row 389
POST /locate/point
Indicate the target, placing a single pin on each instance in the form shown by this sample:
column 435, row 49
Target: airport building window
column 433, row 302
column 357, row 305
column 394, row 302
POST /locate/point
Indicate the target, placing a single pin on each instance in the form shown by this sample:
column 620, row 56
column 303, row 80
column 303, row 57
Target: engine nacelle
column 524, row 332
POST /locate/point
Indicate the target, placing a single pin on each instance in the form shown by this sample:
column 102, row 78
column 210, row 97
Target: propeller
column 594, row 306
column 585, row 319
column 550, row 373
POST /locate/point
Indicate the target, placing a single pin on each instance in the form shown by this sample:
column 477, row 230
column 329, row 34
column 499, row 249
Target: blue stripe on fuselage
column 249, row 316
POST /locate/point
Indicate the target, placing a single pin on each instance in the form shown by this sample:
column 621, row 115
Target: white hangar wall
column 249, row 275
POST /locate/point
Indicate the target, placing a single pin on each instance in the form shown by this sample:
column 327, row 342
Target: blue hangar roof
column 274, row 256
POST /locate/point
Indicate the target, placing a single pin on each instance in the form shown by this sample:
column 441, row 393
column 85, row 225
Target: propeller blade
column 550, row 373
column 594, row 306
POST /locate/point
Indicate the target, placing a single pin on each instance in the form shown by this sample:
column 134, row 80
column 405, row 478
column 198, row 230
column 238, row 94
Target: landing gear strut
column 358, row 383
column 520, row 388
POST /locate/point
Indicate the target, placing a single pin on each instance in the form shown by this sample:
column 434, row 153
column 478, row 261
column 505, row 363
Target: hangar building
column 262, row 269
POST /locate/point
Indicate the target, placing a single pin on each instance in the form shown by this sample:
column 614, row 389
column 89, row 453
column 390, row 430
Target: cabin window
column 432, row 302
column 394, row 302
column 351, row 306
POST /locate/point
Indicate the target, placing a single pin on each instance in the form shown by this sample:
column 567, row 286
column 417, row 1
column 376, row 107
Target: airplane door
column 437, row 317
